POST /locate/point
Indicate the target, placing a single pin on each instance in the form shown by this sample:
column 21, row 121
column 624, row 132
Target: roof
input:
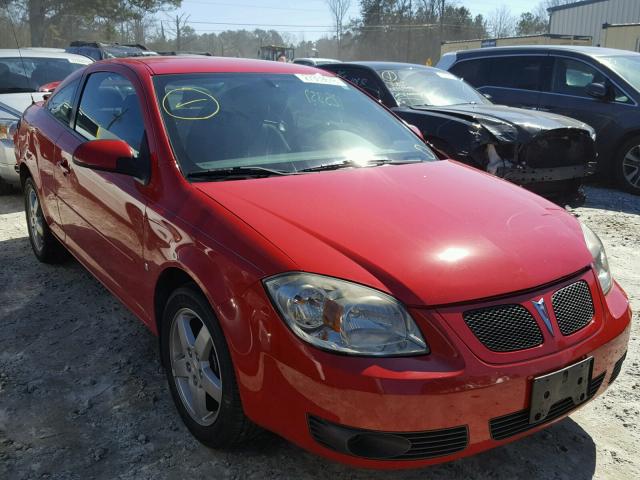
column 389, row 65
column 160, row 65
column 43, row 53
column 316, row 59
column 584, row 50
column 573, row 5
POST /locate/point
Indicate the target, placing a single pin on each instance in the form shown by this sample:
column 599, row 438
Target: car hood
column 13, row 104
column 509, row 124
column 430, row 234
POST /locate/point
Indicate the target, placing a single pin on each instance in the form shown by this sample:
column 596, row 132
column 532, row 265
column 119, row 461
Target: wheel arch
column 168, row 281
column 24, row 174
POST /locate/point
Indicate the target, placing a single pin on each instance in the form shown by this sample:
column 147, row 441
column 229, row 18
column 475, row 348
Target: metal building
column 588, row 16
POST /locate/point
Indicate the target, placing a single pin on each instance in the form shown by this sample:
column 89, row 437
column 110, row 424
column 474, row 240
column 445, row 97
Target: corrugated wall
column 587, row 19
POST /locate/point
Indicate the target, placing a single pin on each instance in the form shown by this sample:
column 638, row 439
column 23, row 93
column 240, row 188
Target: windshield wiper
column 236, row 173
column 351, row 163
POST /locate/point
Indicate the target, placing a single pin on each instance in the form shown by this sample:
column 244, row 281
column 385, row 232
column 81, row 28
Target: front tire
column 627, row 166
column 200, row 371
column 45, row 246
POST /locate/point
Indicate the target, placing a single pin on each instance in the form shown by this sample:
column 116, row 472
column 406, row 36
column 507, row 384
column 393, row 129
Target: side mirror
column 110, row 155
column 49, row 87
column 416, row 130
column 597, row 90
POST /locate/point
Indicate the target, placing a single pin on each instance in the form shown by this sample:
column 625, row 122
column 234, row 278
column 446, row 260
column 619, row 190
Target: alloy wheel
column 195, row 367
column 36, row 220
column 631, row 166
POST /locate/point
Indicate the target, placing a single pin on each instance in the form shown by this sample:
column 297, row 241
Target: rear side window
column 523, row 73
column 61, row 103
column 110, row 108
column 361, row 77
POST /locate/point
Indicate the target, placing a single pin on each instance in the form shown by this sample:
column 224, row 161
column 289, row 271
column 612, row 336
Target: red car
column 311, row 268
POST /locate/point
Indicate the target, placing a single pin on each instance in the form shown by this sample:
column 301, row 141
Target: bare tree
column 339, row 10
column 501, row 22
column 178, row 24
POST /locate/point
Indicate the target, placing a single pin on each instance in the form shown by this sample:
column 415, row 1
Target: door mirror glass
column 597, row 90
column 110, row 155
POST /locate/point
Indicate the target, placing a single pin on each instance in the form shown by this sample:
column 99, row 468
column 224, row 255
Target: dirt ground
column 82, row 394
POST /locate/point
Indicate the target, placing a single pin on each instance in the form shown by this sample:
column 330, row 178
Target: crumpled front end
column 562, row 154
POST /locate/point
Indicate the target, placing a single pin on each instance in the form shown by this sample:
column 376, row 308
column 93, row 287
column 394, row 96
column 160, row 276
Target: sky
column 308, row 19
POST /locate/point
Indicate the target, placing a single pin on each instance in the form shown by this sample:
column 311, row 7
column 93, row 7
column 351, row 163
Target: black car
column 546, row 153
column 598, row 86
column 100, row 50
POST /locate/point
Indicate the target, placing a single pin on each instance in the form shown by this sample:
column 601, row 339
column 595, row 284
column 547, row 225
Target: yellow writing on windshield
column 189, row 103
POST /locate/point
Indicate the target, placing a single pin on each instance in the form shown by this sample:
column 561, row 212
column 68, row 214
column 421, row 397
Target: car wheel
column 200, row 372
column 45, row 246
column 627, row 173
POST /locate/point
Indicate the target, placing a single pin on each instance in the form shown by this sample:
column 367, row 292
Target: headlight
column 600, row 262
column 344, row 317
column 7, row 128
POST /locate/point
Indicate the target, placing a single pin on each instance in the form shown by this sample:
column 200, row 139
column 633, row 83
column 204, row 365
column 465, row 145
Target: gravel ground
column 82, row 394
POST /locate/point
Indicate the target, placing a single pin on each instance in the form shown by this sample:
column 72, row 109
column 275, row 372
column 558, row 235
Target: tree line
column 402, row 30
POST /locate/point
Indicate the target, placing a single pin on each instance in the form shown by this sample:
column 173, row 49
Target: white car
column 22, row 74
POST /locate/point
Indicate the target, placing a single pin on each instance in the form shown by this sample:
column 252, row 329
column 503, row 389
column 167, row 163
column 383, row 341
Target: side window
column 474, row 72
column 61, row 102
column 110, row 108
column 571, row 77
column 364, row 79
column 523, row 73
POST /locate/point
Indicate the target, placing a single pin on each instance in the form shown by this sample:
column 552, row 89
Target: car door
column 513, row 80
column 58, row 108
column 102, row 213
column 567, row 94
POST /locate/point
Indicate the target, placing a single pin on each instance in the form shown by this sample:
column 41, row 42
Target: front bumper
column 312, row 397
column 8, row 163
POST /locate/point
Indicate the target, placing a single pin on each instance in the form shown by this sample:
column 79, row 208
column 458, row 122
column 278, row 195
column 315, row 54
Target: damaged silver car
column 546, row 153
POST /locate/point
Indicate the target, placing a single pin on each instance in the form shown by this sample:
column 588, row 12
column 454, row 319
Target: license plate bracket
column 570, row 382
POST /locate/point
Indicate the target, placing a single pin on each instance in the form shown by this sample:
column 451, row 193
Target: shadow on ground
column 83, row 396
column 608, row 198
column 11, row 203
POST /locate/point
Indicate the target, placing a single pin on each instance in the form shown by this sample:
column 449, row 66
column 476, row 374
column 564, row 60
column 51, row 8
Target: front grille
column 617, row 368
column 573, row 307
column 518, row 422
column 505, row 328
column 383, row 445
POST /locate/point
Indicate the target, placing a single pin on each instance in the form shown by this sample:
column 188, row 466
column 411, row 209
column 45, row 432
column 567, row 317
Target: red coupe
column 312, row 268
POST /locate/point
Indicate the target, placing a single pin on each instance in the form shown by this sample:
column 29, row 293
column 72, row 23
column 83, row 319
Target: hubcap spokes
column 631, row 166
column 36, row 220
column 195, row 367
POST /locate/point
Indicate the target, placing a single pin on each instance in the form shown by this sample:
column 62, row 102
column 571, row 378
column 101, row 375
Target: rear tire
column 200, row 371
column 45, row 246
column 627, row 166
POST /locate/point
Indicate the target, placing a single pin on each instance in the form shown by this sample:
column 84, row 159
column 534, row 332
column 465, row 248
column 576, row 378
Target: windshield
column 285, row 122
column 28, row 74
column 412, row 87
column 627, row 66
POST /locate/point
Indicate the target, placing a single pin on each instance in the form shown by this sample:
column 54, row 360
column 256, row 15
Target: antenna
column 15, row 37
